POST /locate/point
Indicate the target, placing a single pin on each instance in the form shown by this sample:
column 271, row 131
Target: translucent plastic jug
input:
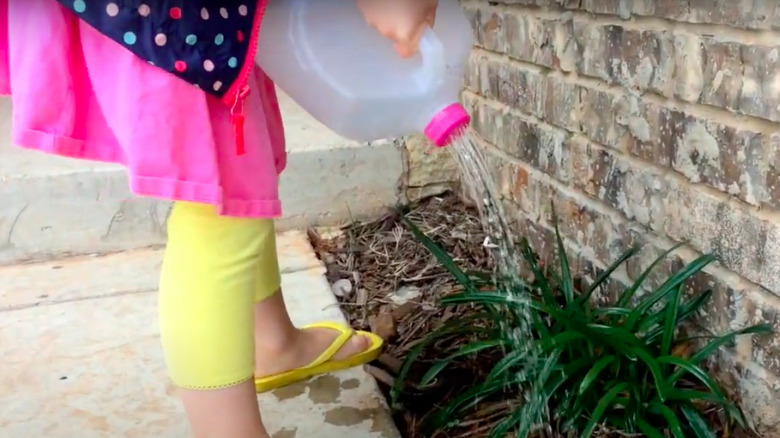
column 324, row 55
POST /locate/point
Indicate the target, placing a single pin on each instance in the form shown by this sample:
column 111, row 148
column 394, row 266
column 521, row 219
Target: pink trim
column 446, row 123
column 205, row 194
column 241, row 208
column 64, row 146
column 230, row 98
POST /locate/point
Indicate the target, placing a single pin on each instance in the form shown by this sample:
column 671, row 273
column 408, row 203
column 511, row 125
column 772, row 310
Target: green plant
column 624, row 366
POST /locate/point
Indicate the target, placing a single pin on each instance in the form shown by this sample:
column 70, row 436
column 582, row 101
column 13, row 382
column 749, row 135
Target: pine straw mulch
column 389, row 283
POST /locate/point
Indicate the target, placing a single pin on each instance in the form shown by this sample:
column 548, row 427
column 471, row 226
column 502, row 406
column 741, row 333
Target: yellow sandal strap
column 345, row 334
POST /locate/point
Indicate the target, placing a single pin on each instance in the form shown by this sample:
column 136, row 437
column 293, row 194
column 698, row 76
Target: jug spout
column 447, row 124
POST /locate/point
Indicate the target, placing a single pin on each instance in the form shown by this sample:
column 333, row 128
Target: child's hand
column 403, row 21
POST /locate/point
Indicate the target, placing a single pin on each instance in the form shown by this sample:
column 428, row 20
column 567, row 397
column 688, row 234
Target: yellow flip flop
column 324, row 363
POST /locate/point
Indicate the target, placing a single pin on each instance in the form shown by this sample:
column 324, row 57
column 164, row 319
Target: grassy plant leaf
column 569, row 372
column 460, row 326
column 540, row 280
column 687, row 310
column 594, row 372
column 612, row 311
column 669, row 286
column 605, row 403
column 649, row 430
column 466, row 350
column 561, row 340
column 507, row 363
column 695, row 371
column 617, row 337
column 671, row 419
column 670, row 325
column 759, row 329
column 441, row 255
column 689, row 396
column 697, row 424
column 567, row 281
column 465, row 400
column 655, row 370
column 598, row 281
column 513, row 421
column 628, row 295
column 479, row 298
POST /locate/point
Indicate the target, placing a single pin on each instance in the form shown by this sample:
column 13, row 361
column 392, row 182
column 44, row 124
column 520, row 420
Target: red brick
column 722, row 73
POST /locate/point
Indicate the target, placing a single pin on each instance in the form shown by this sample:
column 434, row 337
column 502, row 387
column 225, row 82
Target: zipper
column 240, row 90
column 237, row 119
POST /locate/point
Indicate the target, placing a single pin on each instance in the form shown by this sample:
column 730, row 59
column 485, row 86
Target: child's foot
column 306, row 346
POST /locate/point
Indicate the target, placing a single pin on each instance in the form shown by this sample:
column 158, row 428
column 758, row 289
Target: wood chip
column 380, row 375
column 383, row 325
column 400, row 312
column 362, row 297
column 392, row 363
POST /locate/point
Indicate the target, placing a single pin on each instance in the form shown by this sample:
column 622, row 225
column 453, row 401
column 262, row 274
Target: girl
column 169, row 89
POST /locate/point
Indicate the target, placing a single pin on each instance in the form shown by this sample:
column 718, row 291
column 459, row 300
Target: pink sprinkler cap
column 446, row 124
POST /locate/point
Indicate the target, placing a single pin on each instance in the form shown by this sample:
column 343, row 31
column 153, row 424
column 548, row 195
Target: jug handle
column 434, row 62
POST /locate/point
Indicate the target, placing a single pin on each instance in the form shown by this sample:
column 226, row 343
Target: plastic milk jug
column 324, row 55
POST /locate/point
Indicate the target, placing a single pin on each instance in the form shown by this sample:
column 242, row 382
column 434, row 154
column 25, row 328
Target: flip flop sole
column 265, row 384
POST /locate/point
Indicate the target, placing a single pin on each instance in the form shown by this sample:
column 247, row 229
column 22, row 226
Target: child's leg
column 224, row 413
column 280, row 346
column 207, row 290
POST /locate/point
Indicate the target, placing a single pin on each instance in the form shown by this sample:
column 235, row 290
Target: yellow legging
column 215, row 269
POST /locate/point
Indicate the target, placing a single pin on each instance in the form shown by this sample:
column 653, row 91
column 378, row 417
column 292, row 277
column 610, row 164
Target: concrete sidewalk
column 81, row 355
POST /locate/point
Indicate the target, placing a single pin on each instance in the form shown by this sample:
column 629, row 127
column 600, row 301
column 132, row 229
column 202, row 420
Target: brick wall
column 651, row 122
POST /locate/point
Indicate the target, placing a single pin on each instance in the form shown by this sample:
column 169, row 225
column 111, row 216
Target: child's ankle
column 279, row 343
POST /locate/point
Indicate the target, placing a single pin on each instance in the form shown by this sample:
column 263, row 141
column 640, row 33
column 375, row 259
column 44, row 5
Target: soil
column 387, row 282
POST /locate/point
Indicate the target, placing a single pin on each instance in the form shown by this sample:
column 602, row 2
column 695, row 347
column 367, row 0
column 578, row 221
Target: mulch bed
column 389, row 283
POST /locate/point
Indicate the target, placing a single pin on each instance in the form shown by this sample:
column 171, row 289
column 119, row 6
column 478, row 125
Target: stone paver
column 81, row 355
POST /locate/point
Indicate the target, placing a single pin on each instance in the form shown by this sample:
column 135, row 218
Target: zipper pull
column 237, row 119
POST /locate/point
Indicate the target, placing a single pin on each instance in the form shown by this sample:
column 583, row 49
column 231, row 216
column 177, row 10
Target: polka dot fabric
column 201, row 41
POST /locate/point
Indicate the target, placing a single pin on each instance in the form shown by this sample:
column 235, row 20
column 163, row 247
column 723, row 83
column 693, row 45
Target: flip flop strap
column 341, row 340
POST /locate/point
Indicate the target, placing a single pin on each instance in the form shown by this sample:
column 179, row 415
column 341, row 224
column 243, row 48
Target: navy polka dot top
column 205, row 42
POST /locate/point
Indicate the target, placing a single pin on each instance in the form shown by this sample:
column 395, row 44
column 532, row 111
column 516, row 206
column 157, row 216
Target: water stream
column 478, row 177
